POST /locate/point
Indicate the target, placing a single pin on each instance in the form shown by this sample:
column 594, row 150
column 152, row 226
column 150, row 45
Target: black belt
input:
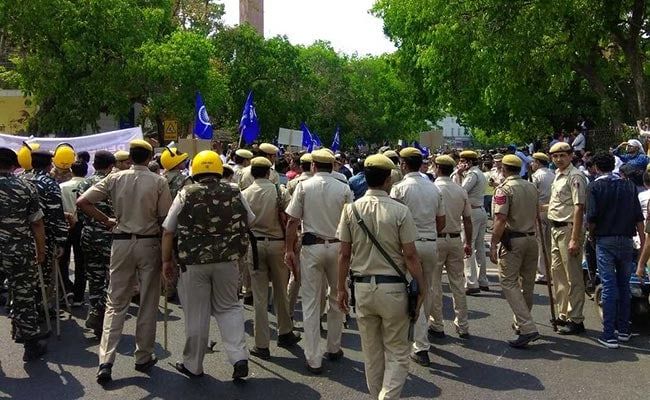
column 558, row 224
column 426, row 240
column 309, row 239
column 379, row 279
column 128, row 236
column 451, row 235
column 261, row 239
column 520, row 234
column 477, row 207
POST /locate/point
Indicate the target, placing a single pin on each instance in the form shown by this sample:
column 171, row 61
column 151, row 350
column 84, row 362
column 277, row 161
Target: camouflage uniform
column 56, row 226
column 20, row 207
column 96, row 243
column 176, row 181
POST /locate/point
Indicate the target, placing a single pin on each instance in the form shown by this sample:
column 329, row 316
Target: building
column 455, row 135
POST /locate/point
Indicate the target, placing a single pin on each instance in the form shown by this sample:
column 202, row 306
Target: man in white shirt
column 579, row 143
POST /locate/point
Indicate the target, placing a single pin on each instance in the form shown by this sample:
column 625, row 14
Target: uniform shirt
column 49, row 193
column 246, row 179
column 543, row 180
column 474, row 183
column 339, row 176
column 104, row 206
column 318, row 201
column 176, row 180
column 456, row 204
column 20, row 207
column 517, row 200
column 569, row 189
column 141, row 199
column 619, row 220
column 262, row 197
column 291, row 186
column 389, row 221
column 358, row 185
column 237, row 171
column 69, row 194
column 395, row 176
column 424, row 201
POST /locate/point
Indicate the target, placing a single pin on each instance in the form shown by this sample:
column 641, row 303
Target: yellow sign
column 171, row 130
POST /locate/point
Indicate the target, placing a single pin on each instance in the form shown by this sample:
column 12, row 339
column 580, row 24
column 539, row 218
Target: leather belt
column 426, row 240
column 379, row 279
column 558, row 224
column 309, row 239
column 451, row 235
column 475, row 207
column 261, row 239
column 520, row 234
column 129, row 236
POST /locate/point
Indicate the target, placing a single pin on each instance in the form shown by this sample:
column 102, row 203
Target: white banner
column 109, row 141
column 290, row 137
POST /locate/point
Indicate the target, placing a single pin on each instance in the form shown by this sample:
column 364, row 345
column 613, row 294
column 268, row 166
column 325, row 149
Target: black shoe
column 34, row 349
column 346, row 323
column 571, row 328
column 144, row 367
column 514, row 328
column 472, row 291
column 180, row 367
column 484, row 288
column 560, row 322
column 464, row 335
column 540, row 281
column 136, row 299
column 433, row 334
column 421, row 357
column 240, row 370
column 523, row 340
column 248, row 300
column 104, row 373
column 95, row 320
column 314, row 370
column 288, row 339
column 262, row 353
column 333, row 356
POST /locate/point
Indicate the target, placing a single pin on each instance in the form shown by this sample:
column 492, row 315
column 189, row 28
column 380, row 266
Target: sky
column 346, row 24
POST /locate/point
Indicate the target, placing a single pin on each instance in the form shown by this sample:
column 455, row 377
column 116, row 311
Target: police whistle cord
column 547, row 267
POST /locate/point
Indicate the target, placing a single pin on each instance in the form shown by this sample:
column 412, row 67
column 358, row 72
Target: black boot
column 34, row 349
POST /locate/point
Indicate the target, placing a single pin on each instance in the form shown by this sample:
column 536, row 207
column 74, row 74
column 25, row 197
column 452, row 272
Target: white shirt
column 579, row 143
column 643, row 199
column 69, row 194
column 424, row 200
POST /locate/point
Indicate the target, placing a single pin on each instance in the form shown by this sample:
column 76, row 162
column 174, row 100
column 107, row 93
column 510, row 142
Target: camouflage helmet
column 207, row 162
column 171, row 157
column 64, row 156
column 25, row 155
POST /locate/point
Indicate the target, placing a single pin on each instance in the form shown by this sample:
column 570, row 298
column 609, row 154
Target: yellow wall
column 13, row 111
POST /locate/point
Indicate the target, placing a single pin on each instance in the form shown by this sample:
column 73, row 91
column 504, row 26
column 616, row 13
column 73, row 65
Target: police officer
column 173, row 161
column 21, row 225
column 122, row 161
column 268, row 201
column 209, row 219
column 451, row 251
column 140, row 201
column 515, row 213
column 425, row 202
column 542, row 178
column 565, row 213
column 381, row 300
column 396, row 174
column 318, row 202
column 96, row 241
column 242, row 160
column 265, row 150
column 305, row 166
column 471, row 178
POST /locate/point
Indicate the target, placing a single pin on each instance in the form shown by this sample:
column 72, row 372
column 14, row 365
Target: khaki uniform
column 543, row 179
column 450, row 256
column 262, row 197
column 395, row 176
column 140, row 200
column 246, row 179
column 474, row 183
column 381, row 307
column 425, row 202
column 318, row 201
column 237, row 173
column 517, row 200
column 568, row 190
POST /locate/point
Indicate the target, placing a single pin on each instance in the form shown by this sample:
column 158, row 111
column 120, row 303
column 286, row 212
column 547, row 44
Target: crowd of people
column 340, row 230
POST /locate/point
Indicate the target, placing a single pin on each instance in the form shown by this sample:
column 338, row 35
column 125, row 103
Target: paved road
column 483, row 367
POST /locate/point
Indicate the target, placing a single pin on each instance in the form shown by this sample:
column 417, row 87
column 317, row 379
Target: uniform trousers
column 475, row 265
column 546, row 232
column 271, row 268
column 450, row 257
column 517, row 277
column 428, row 252
column 97, row 256
column 383, row 326
column 568, row 279
column 17, row 264
column 316, row 261
column 206, row 290
column 243, row 265
column 128, row 257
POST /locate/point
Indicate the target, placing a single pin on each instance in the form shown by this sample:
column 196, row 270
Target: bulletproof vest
column 212, row 226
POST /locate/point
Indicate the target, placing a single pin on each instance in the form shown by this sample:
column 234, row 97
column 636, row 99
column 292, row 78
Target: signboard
column 171, row 130
column 290, row 137
column 432, row 139
column 193, row 146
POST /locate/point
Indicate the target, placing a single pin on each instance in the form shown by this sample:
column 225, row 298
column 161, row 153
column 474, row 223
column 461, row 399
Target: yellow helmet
column 207, row 162
column 64, row 156
column 25, row 155
column 170, row 158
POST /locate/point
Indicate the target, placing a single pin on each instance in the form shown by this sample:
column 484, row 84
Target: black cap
column 9, row 156
column 42, row 154
column 105, row 156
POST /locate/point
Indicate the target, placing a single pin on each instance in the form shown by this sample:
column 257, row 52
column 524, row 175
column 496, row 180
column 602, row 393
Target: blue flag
column 307, row 138
column 337, row 140
column 316, row 140
column 202, row 126
column 276, row 144
column 249, row 127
